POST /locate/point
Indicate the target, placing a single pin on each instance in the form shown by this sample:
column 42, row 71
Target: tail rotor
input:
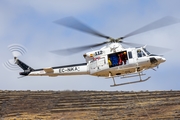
column 17, row 50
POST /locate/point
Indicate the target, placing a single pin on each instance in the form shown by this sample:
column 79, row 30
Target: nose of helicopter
column 161, row 59
column 157, row 59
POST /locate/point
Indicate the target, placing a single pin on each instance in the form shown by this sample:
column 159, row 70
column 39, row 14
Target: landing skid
column 139, row 74
column 129, row 82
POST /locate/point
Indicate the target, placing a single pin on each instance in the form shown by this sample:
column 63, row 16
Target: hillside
column 93, row 105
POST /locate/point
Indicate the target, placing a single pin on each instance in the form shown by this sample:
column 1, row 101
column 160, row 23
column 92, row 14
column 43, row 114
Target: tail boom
column 75, row 69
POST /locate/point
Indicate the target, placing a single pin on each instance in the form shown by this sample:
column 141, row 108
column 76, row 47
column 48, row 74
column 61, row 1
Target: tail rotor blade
column 10, row 65
column 17, row 50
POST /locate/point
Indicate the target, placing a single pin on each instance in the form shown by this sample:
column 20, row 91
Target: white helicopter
column 112, row 60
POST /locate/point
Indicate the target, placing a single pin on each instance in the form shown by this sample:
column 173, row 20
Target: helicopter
column 111, row 61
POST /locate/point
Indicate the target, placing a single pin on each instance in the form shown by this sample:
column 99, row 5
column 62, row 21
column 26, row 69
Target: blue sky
column 30, row 23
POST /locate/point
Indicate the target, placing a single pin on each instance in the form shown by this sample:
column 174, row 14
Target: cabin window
column 130, row 55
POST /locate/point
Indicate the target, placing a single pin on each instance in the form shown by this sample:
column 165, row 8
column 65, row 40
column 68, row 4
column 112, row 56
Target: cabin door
column 98, row 65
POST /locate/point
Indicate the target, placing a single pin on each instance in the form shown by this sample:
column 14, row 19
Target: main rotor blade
column 73, row 23
column 74, row 50
column 157, row 50
column 165, row 21
column 132, row 44
column 150, row 48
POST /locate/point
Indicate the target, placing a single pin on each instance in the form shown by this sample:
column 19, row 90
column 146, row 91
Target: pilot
column 139, row 53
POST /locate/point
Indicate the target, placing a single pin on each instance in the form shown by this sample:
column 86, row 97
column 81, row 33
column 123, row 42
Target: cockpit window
column 147, row 52
column 140, row 53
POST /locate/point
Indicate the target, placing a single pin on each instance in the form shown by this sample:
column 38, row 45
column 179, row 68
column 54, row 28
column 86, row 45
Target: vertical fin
column 22, row 64
column 27, row 69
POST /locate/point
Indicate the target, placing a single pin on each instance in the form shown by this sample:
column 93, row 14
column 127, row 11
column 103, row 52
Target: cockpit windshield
column 147, row 52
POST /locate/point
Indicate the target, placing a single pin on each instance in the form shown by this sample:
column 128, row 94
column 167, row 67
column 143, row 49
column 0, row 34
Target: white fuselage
column 112, row 58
